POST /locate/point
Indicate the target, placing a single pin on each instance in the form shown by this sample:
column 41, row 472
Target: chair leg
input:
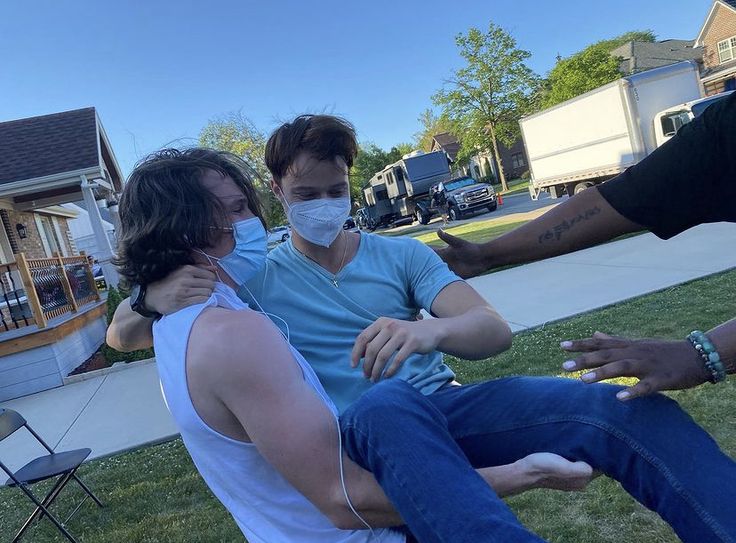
column 45, row 503
column 46, row 512
column 87, row 490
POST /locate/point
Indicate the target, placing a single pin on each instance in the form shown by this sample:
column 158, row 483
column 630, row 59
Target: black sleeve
column 689, row 180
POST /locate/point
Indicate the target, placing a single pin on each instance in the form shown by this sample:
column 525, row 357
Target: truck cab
column 465, row 195
column 669, row 121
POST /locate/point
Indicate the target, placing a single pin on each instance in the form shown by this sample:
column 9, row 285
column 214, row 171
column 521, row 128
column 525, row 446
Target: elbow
column 498, row 333
column 505, row 337
column 337, row 510
column 114, row 341
column 344, row 519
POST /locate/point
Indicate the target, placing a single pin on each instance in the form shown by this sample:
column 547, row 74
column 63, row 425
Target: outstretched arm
column 584, row 220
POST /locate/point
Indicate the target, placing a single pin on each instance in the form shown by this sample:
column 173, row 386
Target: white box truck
column 594, row 137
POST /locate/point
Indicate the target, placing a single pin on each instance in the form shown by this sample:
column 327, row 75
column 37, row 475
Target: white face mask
column 318, row 221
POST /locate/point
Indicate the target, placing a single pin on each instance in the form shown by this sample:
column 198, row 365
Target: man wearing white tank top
column 254, row 417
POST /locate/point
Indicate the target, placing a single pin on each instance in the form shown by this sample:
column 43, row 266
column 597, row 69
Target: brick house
column 717, row 37
column 483, row 165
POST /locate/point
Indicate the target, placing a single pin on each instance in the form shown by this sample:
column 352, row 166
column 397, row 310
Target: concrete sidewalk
column 124, row 410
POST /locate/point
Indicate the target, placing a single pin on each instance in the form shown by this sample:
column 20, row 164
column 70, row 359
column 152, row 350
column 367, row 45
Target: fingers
column 594, row 359
column 642, row 388
column 373, row 348
column 619, row 368
column 199, row 272
column 365, row 337
column 384, row 355
column 404, row 352
column 595, row 343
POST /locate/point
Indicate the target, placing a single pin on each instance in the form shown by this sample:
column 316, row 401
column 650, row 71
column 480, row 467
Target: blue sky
column 158, row 70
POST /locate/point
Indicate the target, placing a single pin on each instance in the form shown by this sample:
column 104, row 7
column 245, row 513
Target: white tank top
column 264, row 505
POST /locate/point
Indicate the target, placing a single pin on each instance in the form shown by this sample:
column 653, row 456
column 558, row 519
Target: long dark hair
column 165, row 211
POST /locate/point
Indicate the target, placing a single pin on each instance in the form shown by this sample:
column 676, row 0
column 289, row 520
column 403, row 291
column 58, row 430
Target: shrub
column 114, row 297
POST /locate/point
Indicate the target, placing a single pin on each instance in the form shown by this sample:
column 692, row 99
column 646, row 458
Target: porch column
column 104, row 250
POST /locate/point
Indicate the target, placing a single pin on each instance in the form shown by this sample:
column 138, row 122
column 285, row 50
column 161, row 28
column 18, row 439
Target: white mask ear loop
column 215, row 264
column 337, row 424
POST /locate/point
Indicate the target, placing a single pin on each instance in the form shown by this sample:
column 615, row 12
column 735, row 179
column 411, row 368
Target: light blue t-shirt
column 388, row 277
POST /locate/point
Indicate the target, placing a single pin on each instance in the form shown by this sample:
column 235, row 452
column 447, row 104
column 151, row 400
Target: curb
column 116, row 367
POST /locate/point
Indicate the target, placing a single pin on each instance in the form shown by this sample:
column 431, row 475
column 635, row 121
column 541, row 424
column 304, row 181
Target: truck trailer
column 596, row 136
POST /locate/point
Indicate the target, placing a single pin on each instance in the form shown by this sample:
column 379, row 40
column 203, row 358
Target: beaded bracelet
column 708, row 353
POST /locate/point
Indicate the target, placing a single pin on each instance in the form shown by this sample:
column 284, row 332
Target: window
column 727, row 49
column 673, row 122
column 517, row 160
column 50, row 241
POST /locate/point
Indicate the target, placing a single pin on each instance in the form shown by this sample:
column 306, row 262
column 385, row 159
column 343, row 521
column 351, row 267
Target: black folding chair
column 63, row 465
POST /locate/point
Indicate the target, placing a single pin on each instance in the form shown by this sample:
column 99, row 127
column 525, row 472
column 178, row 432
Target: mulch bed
column 95, row 362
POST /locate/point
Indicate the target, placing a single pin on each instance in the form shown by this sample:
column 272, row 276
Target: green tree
column 487, row 96
column 588, row 69
column 431, row 125
column 371, row 159
column 235, row 133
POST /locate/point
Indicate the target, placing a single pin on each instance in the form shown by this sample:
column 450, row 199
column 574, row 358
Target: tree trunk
column 497, row 157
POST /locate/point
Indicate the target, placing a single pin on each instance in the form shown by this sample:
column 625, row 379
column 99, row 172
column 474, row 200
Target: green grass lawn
column 155, row 494
column 515, row 186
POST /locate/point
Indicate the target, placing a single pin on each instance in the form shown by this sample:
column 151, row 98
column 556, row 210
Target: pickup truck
column 465, row 195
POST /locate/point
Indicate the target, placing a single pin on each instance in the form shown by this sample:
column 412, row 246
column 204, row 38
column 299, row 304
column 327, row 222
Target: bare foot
column 550, row 470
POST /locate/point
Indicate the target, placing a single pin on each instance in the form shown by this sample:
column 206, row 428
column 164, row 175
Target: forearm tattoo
column 555, row 233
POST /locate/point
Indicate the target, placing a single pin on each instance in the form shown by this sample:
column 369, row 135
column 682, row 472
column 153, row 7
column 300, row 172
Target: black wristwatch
column 138, row 303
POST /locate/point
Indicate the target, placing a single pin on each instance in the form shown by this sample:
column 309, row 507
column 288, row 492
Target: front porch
column 52, row 318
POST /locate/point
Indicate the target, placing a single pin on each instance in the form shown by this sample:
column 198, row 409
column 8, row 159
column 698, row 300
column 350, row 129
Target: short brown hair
column 325, row 137
column 166, row 212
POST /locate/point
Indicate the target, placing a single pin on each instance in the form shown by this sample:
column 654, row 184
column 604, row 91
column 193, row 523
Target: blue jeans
column 422, row 451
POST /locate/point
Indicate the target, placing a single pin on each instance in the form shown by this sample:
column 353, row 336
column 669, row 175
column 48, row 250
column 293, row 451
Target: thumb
column 451, row 240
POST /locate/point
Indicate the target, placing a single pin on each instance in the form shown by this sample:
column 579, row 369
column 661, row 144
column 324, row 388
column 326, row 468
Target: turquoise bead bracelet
column 708, row 353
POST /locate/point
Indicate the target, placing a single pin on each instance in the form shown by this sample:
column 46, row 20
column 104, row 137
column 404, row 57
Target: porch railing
column 35, row 290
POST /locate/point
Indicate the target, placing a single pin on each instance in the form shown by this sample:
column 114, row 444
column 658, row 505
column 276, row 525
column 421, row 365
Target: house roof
column 448, row 143
column 728, row 4
column 48, row 145
column 724, row 69
column 639, row 56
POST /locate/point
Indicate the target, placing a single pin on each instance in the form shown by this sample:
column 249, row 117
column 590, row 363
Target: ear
column 275, row 188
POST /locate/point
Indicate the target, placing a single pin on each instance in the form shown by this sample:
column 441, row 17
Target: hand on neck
column 201, row 261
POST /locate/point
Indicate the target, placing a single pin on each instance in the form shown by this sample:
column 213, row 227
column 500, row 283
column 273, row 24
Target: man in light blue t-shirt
column 326, row 287
column 387, row 277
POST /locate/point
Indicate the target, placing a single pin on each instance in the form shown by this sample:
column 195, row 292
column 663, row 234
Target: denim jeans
column 422, row 451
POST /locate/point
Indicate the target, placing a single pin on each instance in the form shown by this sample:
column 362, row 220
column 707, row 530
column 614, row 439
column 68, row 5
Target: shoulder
column 391, row 245
column 226, row 339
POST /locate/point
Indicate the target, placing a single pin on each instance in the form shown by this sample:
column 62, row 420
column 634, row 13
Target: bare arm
column 128, row 330
column 467, row 327
column 289, row 424
column 186, row 286
column 583, row 220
